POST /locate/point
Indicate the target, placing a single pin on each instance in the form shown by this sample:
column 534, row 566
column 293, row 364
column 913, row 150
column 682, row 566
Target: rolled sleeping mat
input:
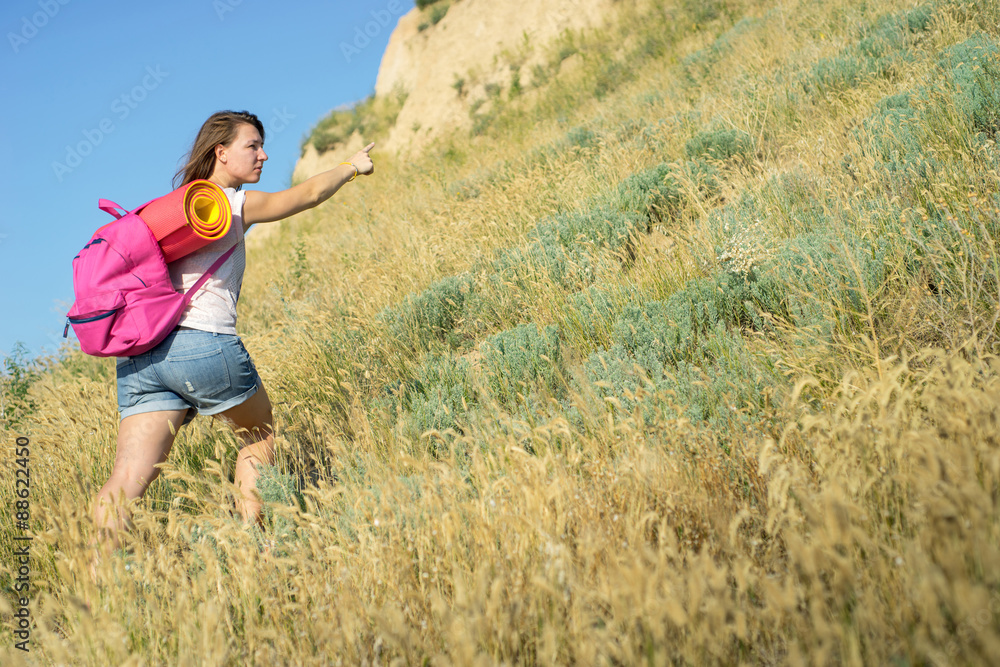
column 188, row 219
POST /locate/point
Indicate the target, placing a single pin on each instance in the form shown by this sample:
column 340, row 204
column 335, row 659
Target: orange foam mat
column 188, row 219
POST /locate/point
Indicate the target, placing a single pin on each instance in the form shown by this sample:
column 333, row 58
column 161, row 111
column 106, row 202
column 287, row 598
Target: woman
column 202, row 367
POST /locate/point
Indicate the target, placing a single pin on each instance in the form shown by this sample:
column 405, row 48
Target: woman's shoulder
column 233, row 193
column 236, row 200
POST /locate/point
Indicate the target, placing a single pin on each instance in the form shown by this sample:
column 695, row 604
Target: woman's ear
column 220, row 153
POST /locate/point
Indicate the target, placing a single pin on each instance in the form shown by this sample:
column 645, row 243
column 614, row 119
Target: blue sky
column 103, row 99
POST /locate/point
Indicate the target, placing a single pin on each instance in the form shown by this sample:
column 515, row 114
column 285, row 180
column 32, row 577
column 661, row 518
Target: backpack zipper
column 84, row 320
column 93, row 318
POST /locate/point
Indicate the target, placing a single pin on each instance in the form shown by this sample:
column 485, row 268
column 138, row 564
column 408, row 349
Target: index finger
column 369, row 147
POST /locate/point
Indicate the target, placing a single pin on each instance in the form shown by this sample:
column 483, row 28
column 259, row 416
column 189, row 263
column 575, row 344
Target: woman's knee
column 253, row 419
column 253, row 454
column 131, row 478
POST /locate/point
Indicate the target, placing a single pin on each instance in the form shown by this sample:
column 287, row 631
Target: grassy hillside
column 686, row 355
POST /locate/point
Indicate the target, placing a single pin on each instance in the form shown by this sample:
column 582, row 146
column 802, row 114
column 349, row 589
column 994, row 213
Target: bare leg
column 144, row 440
column 252, row 422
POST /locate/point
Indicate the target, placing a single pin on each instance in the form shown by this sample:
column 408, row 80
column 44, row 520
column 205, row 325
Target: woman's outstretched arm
column 271, row 206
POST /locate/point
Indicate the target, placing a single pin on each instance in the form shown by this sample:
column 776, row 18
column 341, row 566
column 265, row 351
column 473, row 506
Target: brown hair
column 220, row 128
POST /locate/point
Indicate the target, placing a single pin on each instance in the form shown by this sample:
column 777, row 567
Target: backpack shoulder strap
column 208, row 274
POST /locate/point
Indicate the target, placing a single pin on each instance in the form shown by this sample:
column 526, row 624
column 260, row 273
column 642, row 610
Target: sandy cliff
column 476, row 42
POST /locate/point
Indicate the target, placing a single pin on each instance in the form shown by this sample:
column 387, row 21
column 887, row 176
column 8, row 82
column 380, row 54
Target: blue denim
column 190, row 369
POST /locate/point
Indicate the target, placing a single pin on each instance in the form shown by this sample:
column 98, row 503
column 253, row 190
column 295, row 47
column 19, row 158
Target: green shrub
column 521, row 360
column 601, row 226
column 882, row 47
column 751, row 299
column 423, row 4
column 675, row 330
column 611, row 75
column 658, row 193
column 697, row 65
column 565, row 247
column 19, row 373
column 890, row 36
column 651, row 192
column 614, row 374
column 576, row 138
column 652, row 334
column 744, row 299
column 919, row 19
column 372, row 116
column 666, row 332
column 791, row 202
column 275, row 489
column 800, row 200
column 731, row 392
column 720, row 145
column 440, row 395
column 438, row 12
column 835, row 74
column 830, row 279
column 726, row 385
column 952, row 249
column 703, row 175
column 591, row 312
column 899, row 129
column 430, row 314
column 973, row 70
column 686, row 353
column 893, row 135
column 570, row 266
column 703, row 11
column 579, row 137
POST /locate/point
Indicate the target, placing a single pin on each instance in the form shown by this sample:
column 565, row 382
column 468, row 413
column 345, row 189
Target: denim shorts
column 199, row 371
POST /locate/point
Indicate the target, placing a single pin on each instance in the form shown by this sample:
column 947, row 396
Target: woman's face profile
column 244, row 157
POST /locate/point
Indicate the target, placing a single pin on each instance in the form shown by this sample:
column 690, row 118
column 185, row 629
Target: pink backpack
column 125, row 303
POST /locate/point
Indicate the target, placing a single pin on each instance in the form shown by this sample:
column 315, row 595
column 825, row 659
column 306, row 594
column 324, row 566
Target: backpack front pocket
column 102, row 326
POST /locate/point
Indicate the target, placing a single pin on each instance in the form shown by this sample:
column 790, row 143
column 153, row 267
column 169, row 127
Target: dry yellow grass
column 856, row 522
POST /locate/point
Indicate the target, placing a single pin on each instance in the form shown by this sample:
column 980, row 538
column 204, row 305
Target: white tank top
column 213, row 307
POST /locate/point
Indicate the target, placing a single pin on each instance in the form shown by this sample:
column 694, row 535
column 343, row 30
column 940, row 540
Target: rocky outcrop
column 452, row 66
